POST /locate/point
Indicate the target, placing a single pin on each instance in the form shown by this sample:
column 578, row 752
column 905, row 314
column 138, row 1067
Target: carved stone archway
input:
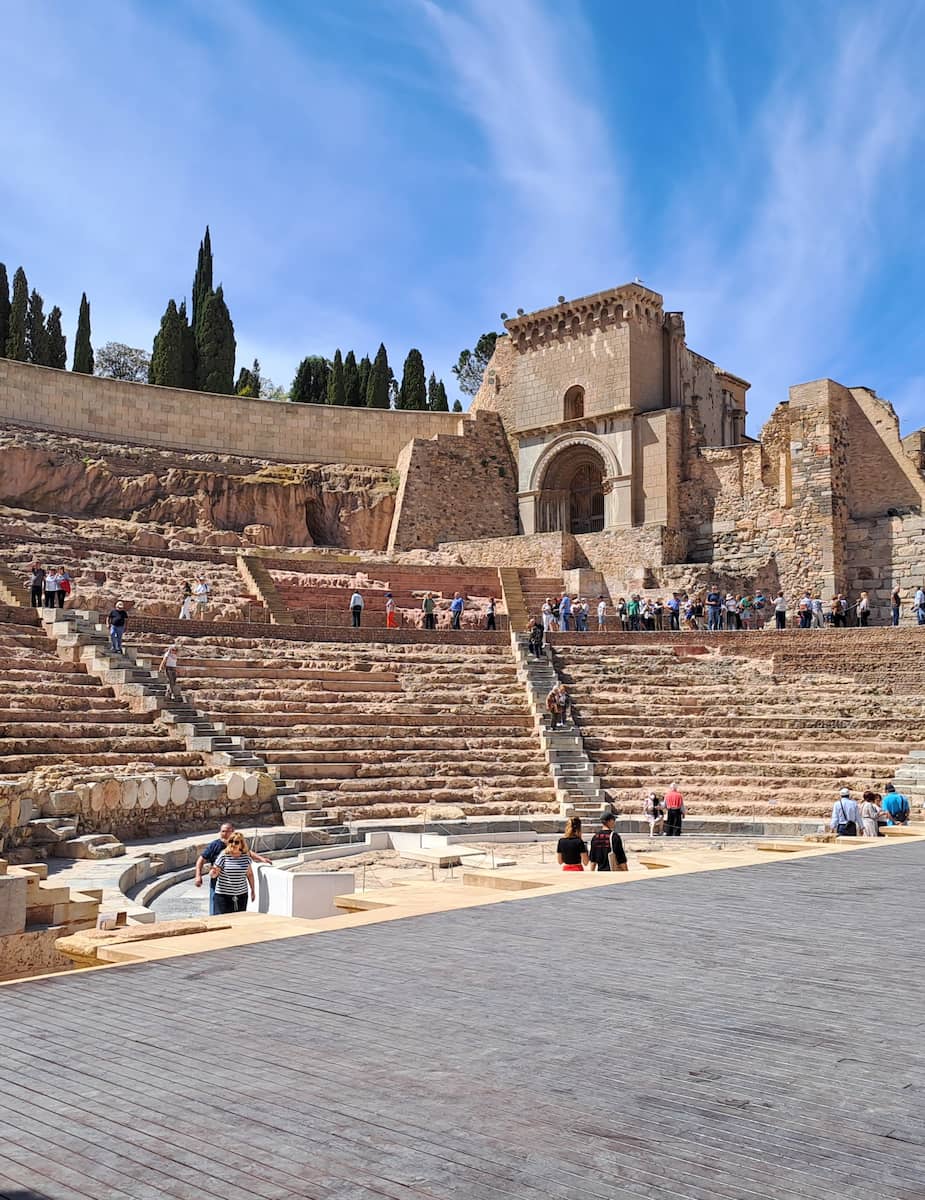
column 572, row 487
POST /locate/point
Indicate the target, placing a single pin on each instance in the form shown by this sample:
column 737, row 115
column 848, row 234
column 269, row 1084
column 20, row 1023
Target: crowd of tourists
column 714, row 611
column 869, row 816
column 357, row 607
column 194, row 599
column 50, row 587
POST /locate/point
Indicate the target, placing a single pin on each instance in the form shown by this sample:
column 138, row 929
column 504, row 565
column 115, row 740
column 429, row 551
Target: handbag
column 845, row 828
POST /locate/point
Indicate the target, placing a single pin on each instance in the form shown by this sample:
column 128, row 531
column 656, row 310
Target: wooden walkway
column 726, row 1036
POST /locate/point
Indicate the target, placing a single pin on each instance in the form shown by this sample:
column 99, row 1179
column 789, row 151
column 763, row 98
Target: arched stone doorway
column 571, row 493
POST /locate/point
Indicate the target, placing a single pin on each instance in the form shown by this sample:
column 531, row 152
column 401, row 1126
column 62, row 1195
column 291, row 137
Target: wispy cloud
column 523, row 72
column 771, row 281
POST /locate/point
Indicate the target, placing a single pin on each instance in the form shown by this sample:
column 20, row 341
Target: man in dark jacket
column 606, row 843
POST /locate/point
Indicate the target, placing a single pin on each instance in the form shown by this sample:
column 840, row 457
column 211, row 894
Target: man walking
column 606, row 851
column 211, row 853
column 356, row 609
column 169, row 663
column 456, row 608
column 116, row 621
column 674, row 811
column 846, row 815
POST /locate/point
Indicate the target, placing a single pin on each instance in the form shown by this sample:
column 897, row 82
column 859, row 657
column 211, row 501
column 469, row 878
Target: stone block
column 12, row 904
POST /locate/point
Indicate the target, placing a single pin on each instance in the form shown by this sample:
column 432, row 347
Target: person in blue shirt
column 210, row 855
column 565, row 611
column 456, row 608
column 896, row 805
column 714, row 609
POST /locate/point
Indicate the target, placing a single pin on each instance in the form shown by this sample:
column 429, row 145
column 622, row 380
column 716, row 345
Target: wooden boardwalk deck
column 725, row 1036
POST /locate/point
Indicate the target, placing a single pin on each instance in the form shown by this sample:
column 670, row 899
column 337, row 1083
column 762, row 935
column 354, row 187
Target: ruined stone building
column 599, row 442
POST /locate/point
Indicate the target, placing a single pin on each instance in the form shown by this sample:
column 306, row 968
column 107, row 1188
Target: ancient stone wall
column 196, row 422
column 451, row 486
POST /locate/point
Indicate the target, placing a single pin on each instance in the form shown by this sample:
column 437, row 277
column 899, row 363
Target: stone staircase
column 261, row 584
column 577, row 787
column 512, row 593
column 12, row 590
column 737, row 735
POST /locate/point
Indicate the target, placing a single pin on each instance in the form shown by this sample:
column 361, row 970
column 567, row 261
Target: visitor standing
column 116, row 621
column 456, row 608
column 623, row 614
column 714, row 609
column 565, row 612
column 537, row 633
column 818, row 613
column 187, row 606
column 490, row 615
column 356, row 609
column 780, row 611
column 390, row 621
column 674, row 612
column 558, row 703
column 870, row 812
column 805, row 610
column 54, row 596
column 896, row 805
column 674, row 811
column 601, row 615
column 201, row 594
column 170, row 661
column 571, row 849
column 210, row 854
column 918, row 604
column 606, row 852
column 863, row 610
column 759, row 605
column 429, row 607
column 36, row 585
column 546, row 613
column 895, row 603
column 234, row 877
column 632, row 612
column 846, row 815
column 655, row 814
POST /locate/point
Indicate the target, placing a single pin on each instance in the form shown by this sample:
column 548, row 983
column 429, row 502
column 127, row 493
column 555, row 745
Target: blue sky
column 404, row 170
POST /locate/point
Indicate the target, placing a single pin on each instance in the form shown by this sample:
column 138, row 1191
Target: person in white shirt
column 918, row 604
column 601, row 614
column 169, row 662
column 547, row 614
column 356, row 609
column 201, row 595
column 780, row 611
column 186, row 608
column 846, row 815
column 818, row 613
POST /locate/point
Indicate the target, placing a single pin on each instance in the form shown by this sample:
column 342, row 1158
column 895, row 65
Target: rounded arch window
column 574, row 404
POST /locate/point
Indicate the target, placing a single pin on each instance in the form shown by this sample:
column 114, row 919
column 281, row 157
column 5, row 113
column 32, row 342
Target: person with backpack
column 606, row 852
column 846, row 815
column 896, row 804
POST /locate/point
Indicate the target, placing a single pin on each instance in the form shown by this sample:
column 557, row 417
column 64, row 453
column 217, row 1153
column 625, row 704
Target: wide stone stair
column 734, row 733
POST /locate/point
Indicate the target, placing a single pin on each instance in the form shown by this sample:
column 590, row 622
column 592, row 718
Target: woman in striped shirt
column 233, row 876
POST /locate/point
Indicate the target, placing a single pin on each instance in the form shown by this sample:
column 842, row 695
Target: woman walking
column 234, row 876
column 572, row 849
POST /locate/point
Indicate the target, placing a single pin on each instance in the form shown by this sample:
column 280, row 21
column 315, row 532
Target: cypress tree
column 83, row 350
column 354, row 398
column 300, row 392
column 16, row 346
column 457, row 407
column 57, row 343
column 377, row 387
column 364, row 366
column 36, row 333
column 167, row 356
column 202, row 281
column 336, row 393
column 248, row 381
column 441, row 403
column 188, row 374
column 413, row 390
column 4, row 309
column 310, row 385
column 216, row 347
column 432, row 391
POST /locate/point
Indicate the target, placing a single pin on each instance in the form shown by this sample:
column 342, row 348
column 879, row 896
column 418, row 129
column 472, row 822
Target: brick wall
column 192, row 421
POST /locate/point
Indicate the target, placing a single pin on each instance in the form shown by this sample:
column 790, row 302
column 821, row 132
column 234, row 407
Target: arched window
column 574, row 406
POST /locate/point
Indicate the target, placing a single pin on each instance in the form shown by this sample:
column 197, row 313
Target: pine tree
column 336, row 393
column 457, row 407
column 36, row 333
column 354, row 397
column 16, row 345
column 190, row 357
column 377, row 387
column 216, row 347
column 441, row 403
column 202, row 281
column 57, row 343
column 83, row 350
column 364, row 366
column 167, row 356
column 413, row 391
column 4, row 309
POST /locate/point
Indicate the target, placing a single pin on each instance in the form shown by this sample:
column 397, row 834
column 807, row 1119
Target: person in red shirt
column 674, row 809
